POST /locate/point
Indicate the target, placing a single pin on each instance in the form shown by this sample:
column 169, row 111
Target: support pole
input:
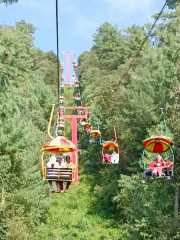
column 74, row 123
column 176, row 202
column 74, row 140
column 68, row 55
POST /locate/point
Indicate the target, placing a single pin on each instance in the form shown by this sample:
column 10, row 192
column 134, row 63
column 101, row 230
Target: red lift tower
column 68, row 55
column 74, row 122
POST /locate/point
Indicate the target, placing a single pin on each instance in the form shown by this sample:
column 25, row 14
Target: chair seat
column 58, row 174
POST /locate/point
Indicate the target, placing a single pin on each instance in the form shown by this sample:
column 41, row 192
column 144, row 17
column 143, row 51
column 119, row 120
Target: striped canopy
column 59, row 145
column 109, row 145
column 157, row 144
column 95, row 133
column 87, row 125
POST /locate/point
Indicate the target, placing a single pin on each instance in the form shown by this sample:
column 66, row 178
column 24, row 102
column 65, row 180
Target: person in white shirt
column 114, row 158
column 62, row 163
column 53, row 164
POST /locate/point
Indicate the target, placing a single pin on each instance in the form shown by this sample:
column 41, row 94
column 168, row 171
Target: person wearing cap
column 53, row 164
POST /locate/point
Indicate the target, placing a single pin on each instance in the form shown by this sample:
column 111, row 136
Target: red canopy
column 59, row 145
column 157, row 144
column 110, row 145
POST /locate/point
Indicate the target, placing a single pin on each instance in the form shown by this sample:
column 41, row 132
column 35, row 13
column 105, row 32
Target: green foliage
column 148, row 208
column 69, row 218
column 24, row 27
column 124, row 88
column 8, row 1
column 108, row 46
column 24, row 112
column 172, row 3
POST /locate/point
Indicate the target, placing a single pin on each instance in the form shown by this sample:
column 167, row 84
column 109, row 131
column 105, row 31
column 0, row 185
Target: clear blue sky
column 78, row 19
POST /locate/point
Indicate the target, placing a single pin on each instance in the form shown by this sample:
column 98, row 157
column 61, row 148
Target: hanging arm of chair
column 164, row 121
column 102, row 153
column 50, row 121
column 97, row 125
column 115, row 135
column 172, row 171
column 143, row 159
column 42, row 165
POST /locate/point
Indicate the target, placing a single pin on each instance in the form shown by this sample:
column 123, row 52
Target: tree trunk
column 176, row 202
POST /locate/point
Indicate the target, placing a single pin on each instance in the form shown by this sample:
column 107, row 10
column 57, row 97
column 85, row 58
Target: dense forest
column 124, row 85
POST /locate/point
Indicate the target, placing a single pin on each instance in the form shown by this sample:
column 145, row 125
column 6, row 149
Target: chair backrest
column 58, row 174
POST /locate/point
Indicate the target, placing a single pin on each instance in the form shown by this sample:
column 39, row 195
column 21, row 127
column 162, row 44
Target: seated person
column 169, row 164
column 107, row 158
column 159, row 164
column 83, row 122
column 114, row 158
column 60, row 124
column 78, row 98
column 62, row 163
column 167, row 168
column 80, row 112
column 149, row 171
column 87, row 131
column 53, row 164
column 69, row 164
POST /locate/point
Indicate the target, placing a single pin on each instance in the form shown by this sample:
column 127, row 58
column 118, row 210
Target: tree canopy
column 8, row 1
column 125, row 88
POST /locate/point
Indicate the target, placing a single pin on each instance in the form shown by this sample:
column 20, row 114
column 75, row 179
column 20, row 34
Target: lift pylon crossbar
column 74, row 123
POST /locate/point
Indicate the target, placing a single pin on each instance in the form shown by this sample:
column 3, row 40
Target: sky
column 78, row 20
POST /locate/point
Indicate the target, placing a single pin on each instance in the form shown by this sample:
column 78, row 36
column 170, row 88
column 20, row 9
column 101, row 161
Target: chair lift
column 76, row 84
column 61, row 100
column 62, row 77
column 78, row 97
column 80, row 112
column 159, row 144
column 61, row 88
column 74, row 64
column 87, row 128
column 62, row 66
column 60, row 127
column 95, row 136
column 57, row 145
column 110, row 146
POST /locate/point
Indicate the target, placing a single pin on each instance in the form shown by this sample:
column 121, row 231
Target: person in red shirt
column 168, row 166
column 107, row 158
column 149, row 171
column 159, row 165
